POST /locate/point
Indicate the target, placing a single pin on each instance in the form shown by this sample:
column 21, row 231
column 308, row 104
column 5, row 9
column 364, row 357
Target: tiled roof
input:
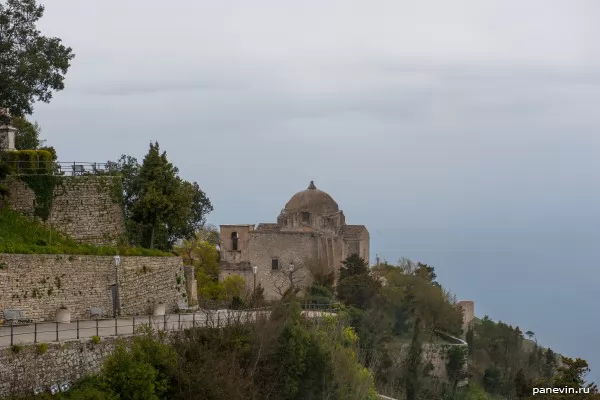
column 352, row 231
column 268, row 228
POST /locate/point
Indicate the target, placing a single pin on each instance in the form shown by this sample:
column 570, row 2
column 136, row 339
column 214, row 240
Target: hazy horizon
column 462, row 134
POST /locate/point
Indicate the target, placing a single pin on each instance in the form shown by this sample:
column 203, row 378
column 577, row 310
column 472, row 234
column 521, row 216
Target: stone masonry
column 22, row 372
column 39, row 284
column 83, row 207
column 311, row 228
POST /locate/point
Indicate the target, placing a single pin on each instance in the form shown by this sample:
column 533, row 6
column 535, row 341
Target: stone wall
column 468, row 309
column 39, row 284
column 22, row 372
column 434, row 354
column 83, row 207
column 287, row 247
column 191, row 285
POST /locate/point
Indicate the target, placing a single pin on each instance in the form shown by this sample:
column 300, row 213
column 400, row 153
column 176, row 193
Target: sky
column 463, row 134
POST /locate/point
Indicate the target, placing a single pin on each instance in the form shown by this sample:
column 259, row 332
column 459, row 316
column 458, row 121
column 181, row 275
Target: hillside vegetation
column 22, row 235
column 375, row 344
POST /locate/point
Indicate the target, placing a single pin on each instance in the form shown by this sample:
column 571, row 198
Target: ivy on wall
column 43, row 188
column 456, row 361
column 36, row 169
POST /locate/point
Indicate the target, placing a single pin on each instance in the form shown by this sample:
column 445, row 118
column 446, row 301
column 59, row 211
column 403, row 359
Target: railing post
column 134, row 324
column 218, row 319
column 35, row 332
column 77, row 328
column 179, row 322
column 11, row 334
column 116, row 329
column 97, row 332
column 165, row 319
column 194, row 320
column 57, row 331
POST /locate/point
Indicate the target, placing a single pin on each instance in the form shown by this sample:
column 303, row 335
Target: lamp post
column 291, row 276
column 116, row 305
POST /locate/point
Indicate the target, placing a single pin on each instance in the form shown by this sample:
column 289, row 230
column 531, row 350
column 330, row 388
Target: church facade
column 310, row 230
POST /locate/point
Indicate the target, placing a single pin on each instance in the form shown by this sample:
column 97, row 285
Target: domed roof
column 313, row 200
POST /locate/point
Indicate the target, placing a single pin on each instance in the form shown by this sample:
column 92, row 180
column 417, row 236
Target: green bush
column 141, row 372
column 95, row 339
column 42, row 348
column 16, row 348
column 30, row 161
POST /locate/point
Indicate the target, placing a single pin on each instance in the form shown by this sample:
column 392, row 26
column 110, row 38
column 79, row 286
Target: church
column 310, row 228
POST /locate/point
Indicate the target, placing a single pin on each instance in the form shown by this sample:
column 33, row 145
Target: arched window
column 234, row 241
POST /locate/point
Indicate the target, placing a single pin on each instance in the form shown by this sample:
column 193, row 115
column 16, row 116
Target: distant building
column 468, row 308
column 310, row 230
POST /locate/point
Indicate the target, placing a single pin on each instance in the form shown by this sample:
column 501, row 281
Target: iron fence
column 75, row 168
column 44, row 332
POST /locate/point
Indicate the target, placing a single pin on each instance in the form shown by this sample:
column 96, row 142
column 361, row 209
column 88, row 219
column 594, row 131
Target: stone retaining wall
column 39, row 284
column 85, row 208
column 21, row 372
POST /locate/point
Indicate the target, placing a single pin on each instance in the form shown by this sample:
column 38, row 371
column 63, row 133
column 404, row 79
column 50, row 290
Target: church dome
column 312, row 200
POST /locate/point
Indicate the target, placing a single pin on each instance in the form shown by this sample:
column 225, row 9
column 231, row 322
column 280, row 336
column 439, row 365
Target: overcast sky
column 463, row 134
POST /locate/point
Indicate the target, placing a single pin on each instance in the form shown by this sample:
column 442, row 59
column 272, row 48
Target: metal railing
column 45, row 332
column 75, row 168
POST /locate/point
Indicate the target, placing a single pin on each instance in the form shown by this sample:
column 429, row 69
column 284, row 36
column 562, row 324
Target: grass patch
column 16, row 348
column 22, row 235
column 42, row 348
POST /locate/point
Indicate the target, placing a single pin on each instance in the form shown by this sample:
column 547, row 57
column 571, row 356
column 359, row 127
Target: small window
column 305, row 217
column 274, row 264
column 234, row 241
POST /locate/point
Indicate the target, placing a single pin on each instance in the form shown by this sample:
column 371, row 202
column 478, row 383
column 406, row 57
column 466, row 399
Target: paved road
column 47, row 332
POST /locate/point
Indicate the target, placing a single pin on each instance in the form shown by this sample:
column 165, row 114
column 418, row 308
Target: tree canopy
column 160, row 207
column 32, row 66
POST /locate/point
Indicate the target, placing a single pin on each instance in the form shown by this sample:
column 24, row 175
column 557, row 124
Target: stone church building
column 310, row 227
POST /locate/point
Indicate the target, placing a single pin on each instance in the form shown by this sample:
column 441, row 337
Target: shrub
column 30, row 161
column 141, row 372
column 96, row 339
column 42, row 348
column 16, row 348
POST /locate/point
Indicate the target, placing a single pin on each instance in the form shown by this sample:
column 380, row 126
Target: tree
column 550, row 365
column 530, row 334
column 140, row 372
column 233, row 287
column 27, row 136
column 160, row 207
column 158, row 184
column 572, row 374
column 353, row 265
column 203, row 255
column 359, row 291
column 200, row 252
column 289, row 278
column 320, row 272
column 32, row 66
